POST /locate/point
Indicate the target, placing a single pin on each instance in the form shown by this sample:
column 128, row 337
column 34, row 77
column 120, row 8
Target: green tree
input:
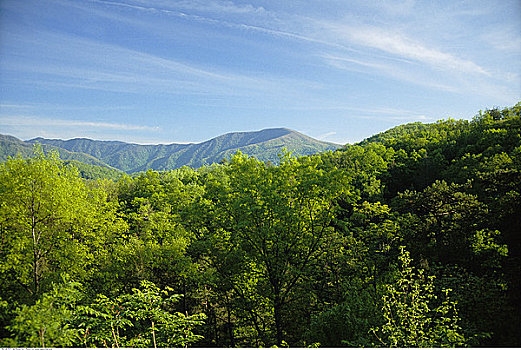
column 168, row 329
column 43, row 211
column 143, row 318
column 51, row 221
column 274, row 222
column 448, row 227
column 49, row 322
column 154, row 245
column 413, row 315
column 348, row 322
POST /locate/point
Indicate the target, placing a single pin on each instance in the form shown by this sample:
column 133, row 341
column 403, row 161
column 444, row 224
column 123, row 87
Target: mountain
column 10, row 146
column 264, row 145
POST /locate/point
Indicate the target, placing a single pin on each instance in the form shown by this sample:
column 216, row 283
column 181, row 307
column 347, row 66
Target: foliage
column 95, row 172
column 142, row 318
column 45, row 212
column 275, row 225
column 47, row 323
column 291, row 252
column 347, row 323
column 413, row 315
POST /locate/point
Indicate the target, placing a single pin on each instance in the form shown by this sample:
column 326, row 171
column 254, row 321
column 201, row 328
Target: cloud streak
column 403, row 46
column 69, row 61
column 394, row 43
column 24, row 121
column 348, row 42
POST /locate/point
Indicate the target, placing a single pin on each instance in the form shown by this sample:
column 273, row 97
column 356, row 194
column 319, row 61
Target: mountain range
column 265, row 145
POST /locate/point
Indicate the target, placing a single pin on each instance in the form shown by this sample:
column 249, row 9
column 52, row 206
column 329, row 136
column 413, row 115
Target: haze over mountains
column 264, row 145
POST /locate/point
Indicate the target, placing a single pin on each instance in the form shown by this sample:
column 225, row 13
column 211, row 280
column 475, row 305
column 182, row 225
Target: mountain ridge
column 228, row 134
column 264, row 145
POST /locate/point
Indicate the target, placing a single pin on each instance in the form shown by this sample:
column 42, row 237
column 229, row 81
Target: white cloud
column 405, row 73
column 405, row 47
column 24, row 121
column 398, row 119
column 506, row 39
column 356, row 45
column 227, row 7
column 326, row 135
column 339, row 62
column 336, row 35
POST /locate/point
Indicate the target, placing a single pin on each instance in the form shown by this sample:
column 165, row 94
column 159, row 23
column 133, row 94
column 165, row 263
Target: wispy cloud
column 69, row 61
column 255, row 19
column 349, row 43
column 399, row 119
column 98, row 61
column 227, row 7
column 16, row 107
column 340, row 62
column 405, row 47
column 506, row 39
column 33, row 121
column 302, row 28
column 326, row 135
column 368, row 47
column 405, row 73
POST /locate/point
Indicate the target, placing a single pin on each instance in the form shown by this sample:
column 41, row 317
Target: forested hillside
column 265, row 145
column 410, row 239
column 11, row 147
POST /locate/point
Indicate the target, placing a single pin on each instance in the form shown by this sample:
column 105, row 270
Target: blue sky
column 163, row 71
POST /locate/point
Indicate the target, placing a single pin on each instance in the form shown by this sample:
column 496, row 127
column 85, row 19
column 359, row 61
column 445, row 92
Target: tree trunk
column 114, row 335
column 154, row 335
column 230, row 327
column 42, row 332
column 36, row 259
column 278, row 320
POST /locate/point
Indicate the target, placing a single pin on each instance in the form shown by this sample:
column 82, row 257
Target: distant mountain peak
column 264, row 145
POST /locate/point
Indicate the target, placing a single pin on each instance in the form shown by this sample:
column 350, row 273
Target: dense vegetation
column 410, row 238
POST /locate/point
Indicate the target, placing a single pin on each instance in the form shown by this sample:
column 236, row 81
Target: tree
column 347, row 323
column 44, row 219
column 48, row 323
column 143, row 318
column 413, row 315
column 154, row 246
column 274, row 222
column 446, row 225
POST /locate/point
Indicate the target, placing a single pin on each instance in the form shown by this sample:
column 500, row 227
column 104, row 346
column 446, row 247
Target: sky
column 179, row 71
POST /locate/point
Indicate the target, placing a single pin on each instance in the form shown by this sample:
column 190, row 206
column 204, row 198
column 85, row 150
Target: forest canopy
column 410, row 238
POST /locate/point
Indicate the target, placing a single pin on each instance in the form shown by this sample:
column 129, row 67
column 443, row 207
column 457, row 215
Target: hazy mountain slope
column 128, row 157
column 10, row 146
column 269, row 149
column 264, row 145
